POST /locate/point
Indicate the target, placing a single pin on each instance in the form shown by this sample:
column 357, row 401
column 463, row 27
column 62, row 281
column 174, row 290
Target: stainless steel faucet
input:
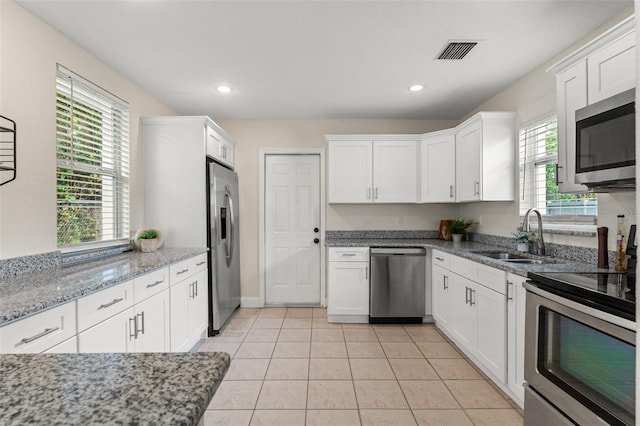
column 526, row 226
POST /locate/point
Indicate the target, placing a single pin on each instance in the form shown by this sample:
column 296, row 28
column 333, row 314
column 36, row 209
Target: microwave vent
column 456, row 50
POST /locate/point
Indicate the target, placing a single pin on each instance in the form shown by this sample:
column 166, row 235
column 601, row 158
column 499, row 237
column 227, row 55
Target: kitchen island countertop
column 82, row 389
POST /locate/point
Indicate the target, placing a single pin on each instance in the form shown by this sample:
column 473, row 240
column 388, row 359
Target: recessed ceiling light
column 416, row 87
column 223, row 89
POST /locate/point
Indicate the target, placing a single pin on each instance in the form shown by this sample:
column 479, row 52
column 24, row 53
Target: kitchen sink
column 513, row 258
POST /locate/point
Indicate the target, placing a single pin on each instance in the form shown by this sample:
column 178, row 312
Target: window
column 92, row 145
column 538, row 189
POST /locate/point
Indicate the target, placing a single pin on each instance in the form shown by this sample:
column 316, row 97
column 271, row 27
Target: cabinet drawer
column 101, row 305
column 149, row 284
column 181, row 270
column 39, row 332
column 199, row 262
column 348, row 254
column 440, row 258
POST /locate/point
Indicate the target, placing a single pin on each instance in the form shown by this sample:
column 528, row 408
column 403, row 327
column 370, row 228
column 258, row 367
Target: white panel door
column 350, row 172
column 469, row 162
column 153, row 324
column 395, row 171
column 491, row 329
column 292, row 230
column 438, row 169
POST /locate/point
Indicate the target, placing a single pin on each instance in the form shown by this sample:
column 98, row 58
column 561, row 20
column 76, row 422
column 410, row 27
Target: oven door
column 579, row 361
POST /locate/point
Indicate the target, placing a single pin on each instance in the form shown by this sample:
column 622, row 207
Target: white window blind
column 92, row 137
column 538, row 189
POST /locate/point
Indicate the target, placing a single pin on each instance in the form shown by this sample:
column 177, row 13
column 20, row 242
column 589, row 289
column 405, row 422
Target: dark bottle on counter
column 603, row 251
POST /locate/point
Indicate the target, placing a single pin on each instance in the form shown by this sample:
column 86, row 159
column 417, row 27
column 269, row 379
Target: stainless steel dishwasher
column 397, row 293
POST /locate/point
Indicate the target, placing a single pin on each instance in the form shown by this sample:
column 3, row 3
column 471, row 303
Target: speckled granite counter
column 26, row 294
column 125, row 389
column 469, row 249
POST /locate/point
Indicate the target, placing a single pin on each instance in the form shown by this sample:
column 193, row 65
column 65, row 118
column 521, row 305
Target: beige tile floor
column 291, row 367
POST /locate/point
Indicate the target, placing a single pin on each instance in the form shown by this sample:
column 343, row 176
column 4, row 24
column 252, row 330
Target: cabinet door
column 491, row 329
column 69, row 346
column 438, row 171
column 442, row 298
column 198, row 305
column 348, row 288
column 469, row 162
column 179, row 312
column 116, row 334
column 463, row 313
column 395, row 171
column 226, row 152
column 516, row 306
column 350, row 172
column 611, row 70
column 152, row 318
column 571, row 88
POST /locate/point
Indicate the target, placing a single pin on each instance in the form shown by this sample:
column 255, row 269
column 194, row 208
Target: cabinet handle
column 440, row 259
column 445, row 282
column 347, row 254
column 39, row 335
column 509, row 283
column 201, row 263
column 558, row 181
column 368, row 193
column 133, row 334
column 466, row 295
column 376, row 193
column 476, row 188
column 113, row 302
column 141, row 330
column 471, row 302
column 195, row 289
column 183, row 271
column 450, row 191
column 366, row 272
column 155, row 284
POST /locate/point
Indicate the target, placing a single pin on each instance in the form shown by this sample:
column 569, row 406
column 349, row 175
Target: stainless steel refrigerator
column 224, row 245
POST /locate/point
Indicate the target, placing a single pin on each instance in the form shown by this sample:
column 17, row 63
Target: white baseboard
column 250, row 302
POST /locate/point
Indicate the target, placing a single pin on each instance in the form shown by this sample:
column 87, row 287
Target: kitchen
column 31, row 49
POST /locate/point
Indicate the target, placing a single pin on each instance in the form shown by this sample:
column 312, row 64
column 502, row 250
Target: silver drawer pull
column 201, row 263
column 183, row 271
column 39, row 335
column 106, row 305
column 348, row 254
column 440, row 259
column 155, row 284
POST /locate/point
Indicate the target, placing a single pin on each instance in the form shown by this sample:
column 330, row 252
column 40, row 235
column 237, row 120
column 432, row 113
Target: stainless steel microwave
column 606, row 142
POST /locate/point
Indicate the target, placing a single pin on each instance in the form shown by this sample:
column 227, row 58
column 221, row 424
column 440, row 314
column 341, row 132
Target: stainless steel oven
column 579, row 350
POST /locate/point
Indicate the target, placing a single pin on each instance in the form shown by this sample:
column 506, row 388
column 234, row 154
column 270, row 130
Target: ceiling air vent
column 456, row 50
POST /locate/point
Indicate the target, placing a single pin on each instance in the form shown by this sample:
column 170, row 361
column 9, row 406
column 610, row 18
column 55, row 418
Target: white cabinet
column 189, row 302
column 571, row 88
column 611, row 69
column 220, row 147
column 437, row 167
column 115, row 334
column 602, row 68
column 39, row 332
column 485, row 158
column 516, row 305
column 373, row 169
column 471, row 309
column 69, row 346
column 174, row 173
column 348, row 284
column 152, row 324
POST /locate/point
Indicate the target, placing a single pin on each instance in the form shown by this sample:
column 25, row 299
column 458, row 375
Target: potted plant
column 148, row 240
column 459, row 227
column 523, row 239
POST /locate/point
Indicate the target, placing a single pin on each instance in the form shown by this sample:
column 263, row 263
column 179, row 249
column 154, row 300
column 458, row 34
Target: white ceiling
column 323, row 59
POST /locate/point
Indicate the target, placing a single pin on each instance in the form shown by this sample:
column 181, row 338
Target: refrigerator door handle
column 231, row 228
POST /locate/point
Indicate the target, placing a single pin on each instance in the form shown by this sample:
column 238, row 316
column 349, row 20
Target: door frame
column 262, row 158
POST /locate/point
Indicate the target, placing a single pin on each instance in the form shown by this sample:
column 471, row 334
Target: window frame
column 103, row 161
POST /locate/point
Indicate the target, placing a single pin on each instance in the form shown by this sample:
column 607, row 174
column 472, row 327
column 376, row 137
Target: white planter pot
column 457, row 237
column 149, row 245
column 523, row 247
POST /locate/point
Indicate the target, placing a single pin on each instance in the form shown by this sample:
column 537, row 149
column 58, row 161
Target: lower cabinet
column 348, row 284
column 114, row 334
column 69, row 346
column 516, row 305
column 472, row 312
column 188, row 311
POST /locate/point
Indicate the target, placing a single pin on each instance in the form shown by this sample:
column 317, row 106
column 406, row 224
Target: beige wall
column 532, row 97
column 29, row 51
column 253, row 135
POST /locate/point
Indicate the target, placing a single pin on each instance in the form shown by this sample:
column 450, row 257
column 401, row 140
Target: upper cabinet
column 437, row 167
column 373, row 168
column 596, row 71
column 485, row 158
column 218, row 146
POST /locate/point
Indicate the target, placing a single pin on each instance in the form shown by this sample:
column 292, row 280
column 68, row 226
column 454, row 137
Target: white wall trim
column 250, row 302
column 262, row 157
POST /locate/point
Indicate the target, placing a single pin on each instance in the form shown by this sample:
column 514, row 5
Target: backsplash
column 381, row 234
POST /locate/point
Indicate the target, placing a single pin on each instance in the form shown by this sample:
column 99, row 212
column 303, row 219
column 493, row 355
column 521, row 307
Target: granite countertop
column 469, row 249
column 82, row 389
column 26, row 294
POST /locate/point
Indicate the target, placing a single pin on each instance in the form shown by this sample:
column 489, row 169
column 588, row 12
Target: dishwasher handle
column 398, row 251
